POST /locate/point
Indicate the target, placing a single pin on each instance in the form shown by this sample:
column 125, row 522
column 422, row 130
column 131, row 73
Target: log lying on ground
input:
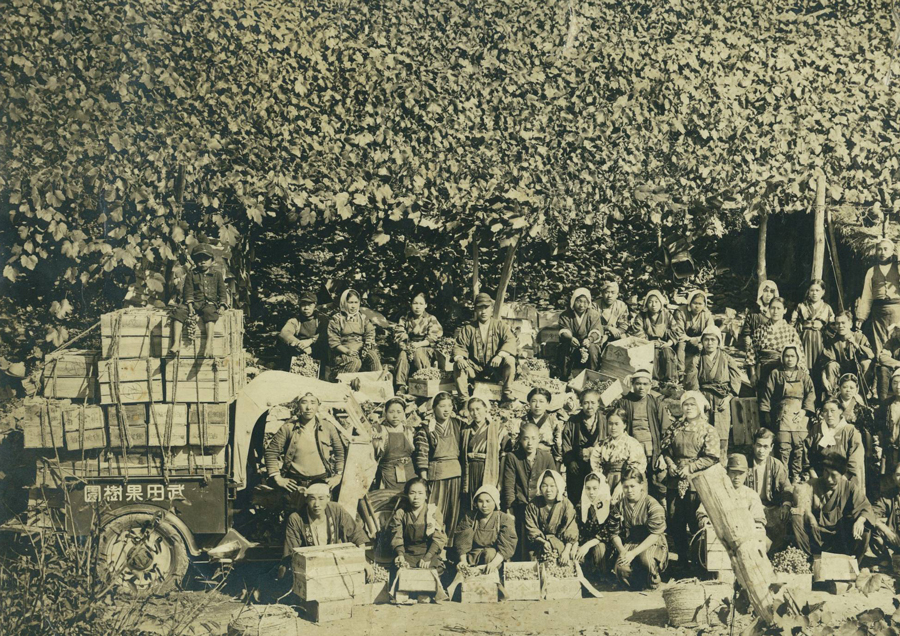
column 736, row 530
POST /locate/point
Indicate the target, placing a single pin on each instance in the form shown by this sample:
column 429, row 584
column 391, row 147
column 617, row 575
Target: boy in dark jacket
column 304, row 334
column 203, row 293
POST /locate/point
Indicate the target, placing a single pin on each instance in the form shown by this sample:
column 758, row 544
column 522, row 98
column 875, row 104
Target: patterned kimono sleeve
column 434, row 331
column 636, row 456
column 422, row 449
column 612, row 526
column 656, row 517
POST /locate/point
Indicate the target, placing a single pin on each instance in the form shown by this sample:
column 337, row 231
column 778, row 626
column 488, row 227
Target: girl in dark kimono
column 810, row 318
column 393, row 448
column 657, row 324
column 438, row 442
column 486, row 536
column 482, row 441
column 580, row 333
column 693, row 319
column 351, row 338
column 717, row 376
column 417, row 535
column 596, row 526
column 550, row 523
column 641, row 542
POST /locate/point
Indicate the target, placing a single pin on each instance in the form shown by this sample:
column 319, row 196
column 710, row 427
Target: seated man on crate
column 304, row 335
column 203, row 294
column 744, row 496
column 484, row 349
column 319, row 522
column 833, row 515
column 768, row 477
column 306, row 449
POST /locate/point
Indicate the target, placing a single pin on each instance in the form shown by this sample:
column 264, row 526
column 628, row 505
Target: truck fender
column 179, row 525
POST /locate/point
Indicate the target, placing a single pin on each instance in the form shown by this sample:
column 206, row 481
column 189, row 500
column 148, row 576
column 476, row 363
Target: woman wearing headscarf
column 694, row 317
column 785, row 406
column 596, row 525
column 689, row 446
column 417, row 334
column 416, row 532
column 486, row 536
column 643, row 552
column 580, row 333
column 658, row 325
column 438, row 444
column 550, row 525
column 613, row 312
column 810, row 318
column 351, row 338
column 482, row 443
column 831, row 434
column 394, row 448
column 717, row 376
column 617, row 451
column 758, row 313
column 768, row 343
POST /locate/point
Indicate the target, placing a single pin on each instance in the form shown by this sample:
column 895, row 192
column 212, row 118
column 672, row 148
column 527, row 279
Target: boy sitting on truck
column 204, row 293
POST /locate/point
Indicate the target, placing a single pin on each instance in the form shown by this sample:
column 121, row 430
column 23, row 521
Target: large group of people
column 605, row 487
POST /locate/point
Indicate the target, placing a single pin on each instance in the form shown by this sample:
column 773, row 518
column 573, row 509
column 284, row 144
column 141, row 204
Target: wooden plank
column 209, row 413
column 70, row 388
column 416, row 580
column 87, row 417
column 132, row 414
column 744, row 420
column 324, row 588
column 360, row 468
column 132, row 392
column 730, row 520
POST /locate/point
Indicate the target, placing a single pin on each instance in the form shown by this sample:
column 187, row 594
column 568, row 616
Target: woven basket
column 694, row 604
column 265, row 620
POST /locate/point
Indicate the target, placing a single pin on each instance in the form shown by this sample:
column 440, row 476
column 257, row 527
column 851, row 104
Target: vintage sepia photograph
column 445, row 317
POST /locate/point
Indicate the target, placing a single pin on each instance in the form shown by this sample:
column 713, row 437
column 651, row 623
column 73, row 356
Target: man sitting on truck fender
column 305, row 449
column 320, row 522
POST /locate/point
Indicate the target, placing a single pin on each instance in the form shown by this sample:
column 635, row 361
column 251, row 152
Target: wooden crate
column 374, row 386
column 548, row 318
column 139, row 380
column 744, row 420
column 413, row 580
column 629, row 354
column 324, row 588
column 84, row 427
column 228, row 337
column 41, row 424
column 133, row 333
column 85, row 440
column 146, row 428
column 481, row 588
column 612, row 393
column 490, row 391
column 556, row 589
column 208, row 424
column 548, row 334
column 214, row 380
column 522, row 589
column 429, row 388
column 834, row 567
column 191, row 459
column 71, row 374
column 715, row 555
column 328, row 560
column 374, row 594
column 327, row 611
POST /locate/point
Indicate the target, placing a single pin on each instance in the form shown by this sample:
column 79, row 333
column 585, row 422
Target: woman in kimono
column 482, row 444
column 580, row 333
column 394, row 448
column 717, row 376
column 438, row 443
column 596, row 525
column 550, row 521
column 641, row 541
column 548, row 426
column 810, row 318
column 689, row 446
column 486, row 536
column 417, row 535
column 768, row 343
column 616, row 451
column 657, row 324
column 831, row 434
column 351, row 338
column 758, row 314
column 693, row 319
column 785, row 406
column 417, row 334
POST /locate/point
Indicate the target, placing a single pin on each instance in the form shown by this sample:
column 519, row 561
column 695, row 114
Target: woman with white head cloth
column 581, row 333
column 689, row 446
column 758, row 313
column 351, row 338
column 658, row 325
column 694, row 317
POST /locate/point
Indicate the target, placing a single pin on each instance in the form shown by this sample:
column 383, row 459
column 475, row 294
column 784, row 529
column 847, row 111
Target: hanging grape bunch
column 791, row 561
column 304, row 365
column 191, row 327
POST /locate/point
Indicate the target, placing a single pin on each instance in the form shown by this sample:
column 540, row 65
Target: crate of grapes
column 560, row 582
column 627, row 355
column 429, row 382
column 443, row 354
column 522, row 581
column 610, row 388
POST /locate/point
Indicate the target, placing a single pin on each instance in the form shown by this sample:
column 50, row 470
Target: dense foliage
column 406, row 130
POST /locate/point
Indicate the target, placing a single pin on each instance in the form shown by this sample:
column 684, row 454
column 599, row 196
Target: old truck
column 180, row 482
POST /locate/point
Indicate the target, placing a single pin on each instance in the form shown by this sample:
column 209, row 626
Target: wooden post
column 835, row 262
column 737, row 531
column 505, row 275
column 476, row 282
column 818, row 264
column 761, row 273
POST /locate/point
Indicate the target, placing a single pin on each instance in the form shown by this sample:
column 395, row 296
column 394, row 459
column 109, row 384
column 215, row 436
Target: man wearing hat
column 204, row 293
column 880, row 299
column 303, row 334
column 646, row 420
column 746, row 497
column 485, row 349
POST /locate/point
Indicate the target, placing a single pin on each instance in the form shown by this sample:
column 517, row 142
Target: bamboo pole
column 476, row 282
column 835, row 262
column 505, row 275
column 818, row 264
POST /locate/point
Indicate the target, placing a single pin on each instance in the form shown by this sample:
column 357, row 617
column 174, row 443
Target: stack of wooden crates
column 114, row 411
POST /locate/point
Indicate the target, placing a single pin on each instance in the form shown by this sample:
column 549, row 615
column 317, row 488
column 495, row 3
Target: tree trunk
column 838, row 276
column 818, row 264
column 476, row 282
column 505, row 275
column 761, row 273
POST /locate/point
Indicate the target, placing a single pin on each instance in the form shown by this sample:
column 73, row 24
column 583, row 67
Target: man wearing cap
column 305, row 334
column 880, row 299
column 646, row 420
column 745, row 497
column 613, row 312
column 204, row 293
column 485, row 348
column 305, row 449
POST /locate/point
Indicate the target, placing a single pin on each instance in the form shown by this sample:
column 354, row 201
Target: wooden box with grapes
column 610, row 388
column 522, row 581
column 429, row 382
column 560, row 581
